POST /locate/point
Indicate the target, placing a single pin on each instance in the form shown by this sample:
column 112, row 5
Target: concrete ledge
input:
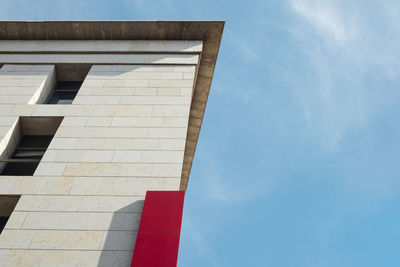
column 97, row 46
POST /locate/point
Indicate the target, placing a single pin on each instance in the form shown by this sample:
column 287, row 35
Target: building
column 94, row 115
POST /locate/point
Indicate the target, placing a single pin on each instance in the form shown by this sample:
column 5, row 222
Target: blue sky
column 297, row 162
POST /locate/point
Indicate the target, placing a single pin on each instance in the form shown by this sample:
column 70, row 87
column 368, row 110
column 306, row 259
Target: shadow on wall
column 121, row 237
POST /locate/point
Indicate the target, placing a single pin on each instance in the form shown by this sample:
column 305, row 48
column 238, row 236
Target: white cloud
column 324, row 18
column 344, row 49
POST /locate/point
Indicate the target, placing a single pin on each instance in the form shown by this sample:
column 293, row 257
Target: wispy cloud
column 344, row 51
column 323, row 16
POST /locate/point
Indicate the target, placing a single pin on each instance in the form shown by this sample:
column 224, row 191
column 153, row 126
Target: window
column 63, row 93
column 27, row 145
column 7, row 205
column 27, row 155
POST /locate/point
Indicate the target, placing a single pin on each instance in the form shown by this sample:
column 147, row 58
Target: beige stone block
column 89, row 258
column 114, row 169
column 115, row 259
column 124, row 121
column 25, row 185
column 21, row 110
column 167, row 170
column 91, row 100
column 183, row 68
column 149, row 122
column 186, row 91
column 8, row 121
column 145, row 91
column 70, row 110
column 171, row 144
column 69, row 131
column 111, row 91
column 16, row 220
column 45, row 110
column 45, row 239
column 63, row 143
column 161, row 157
column 112, row 204
column 32, row 82
column 5, row 109
column 6, row 183
column 120, row 240
column 59, row 258
column 92, row 143
column 126, row 156
column 163, row 91
column 175, row 122
column 99, row 121
column 172, row 184
column 82, row 221
column 94, row 169
column 126, row 83
column 123, row 144
column 43, row 68
column 4, row 130
column 50, row 169
column 84, row 240
column 115, row 110
column 50, row 155
column 188, row 76
column 76, row 240
column 171, row 83
column 24, row 75
column 93, row 83
column 56, row 185
column 15, row 68
column 170, row 76
column 123, row 221
column 171, row 111
column 64, row 203
column 78, row 156
column 118, row 186
column 14, row 99
column 156, row 100
column 15, row 238
column 74, row 121
column 18, row 91
column 9, row 82
column 20, row 258
column 166, row 133
column 120, row 132
column 33, row 203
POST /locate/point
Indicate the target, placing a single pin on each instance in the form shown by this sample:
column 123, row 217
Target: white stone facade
column 124, row 134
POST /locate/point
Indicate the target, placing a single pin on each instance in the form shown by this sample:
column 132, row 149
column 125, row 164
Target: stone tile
column 21, row 258
column 126, row 156
column 15, row 238
column 33, row 203
column 16, row 220
column 59, row 258
column 82, row 221
column 50, row 169
column 119, row 240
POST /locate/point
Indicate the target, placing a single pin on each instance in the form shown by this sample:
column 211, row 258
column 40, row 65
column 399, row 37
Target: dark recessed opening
column 27, row 155
column 64, row 92
column 30, row 139
column 7, row 205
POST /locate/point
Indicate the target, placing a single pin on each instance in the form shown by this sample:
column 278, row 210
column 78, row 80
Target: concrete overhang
column 209, row 32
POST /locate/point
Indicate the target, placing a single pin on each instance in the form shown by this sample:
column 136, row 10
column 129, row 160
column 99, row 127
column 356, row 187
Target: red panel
column 157, row 242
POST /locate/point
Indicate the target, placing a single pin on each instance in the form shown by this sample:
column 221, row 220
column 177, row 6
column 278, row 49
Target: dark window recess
column 3, row 221
column 63, row 93
column 27, row 155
